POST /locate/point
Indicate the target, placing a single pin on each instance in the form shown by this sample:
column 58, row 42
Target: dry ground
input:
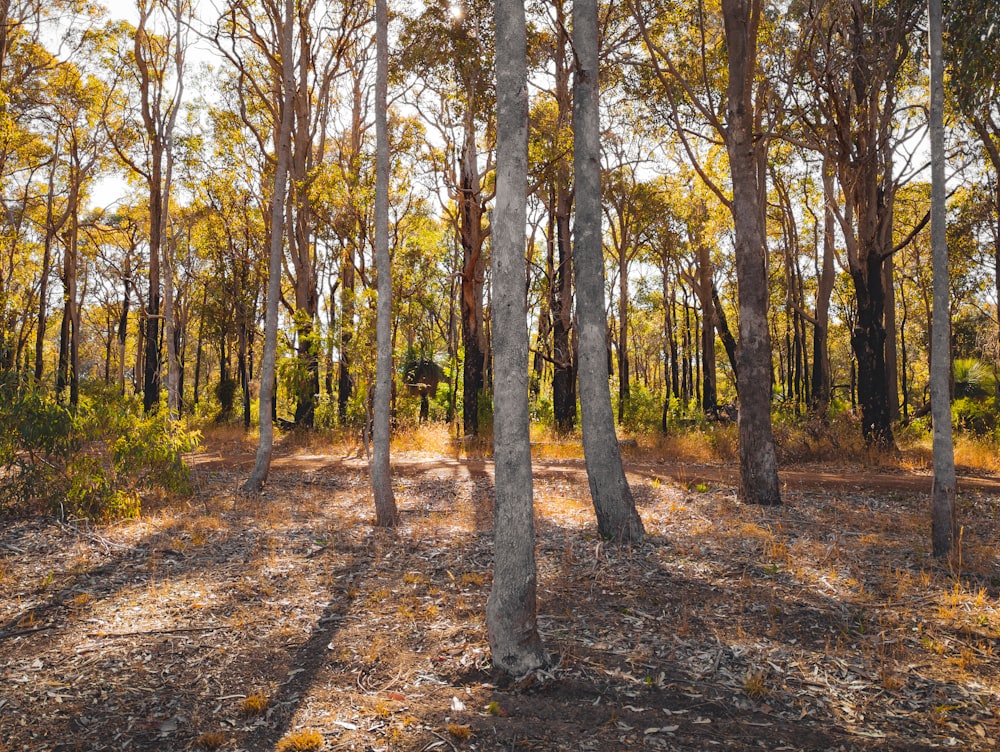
column 218, row 623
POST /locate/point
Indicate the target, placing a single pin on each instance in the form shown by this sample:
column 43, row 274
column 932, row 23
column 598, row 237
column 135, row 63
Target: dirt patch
column 821, row 625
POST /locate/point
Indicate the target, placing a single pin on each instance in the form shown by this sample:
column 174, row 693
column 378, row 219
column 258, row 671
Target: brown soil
column 217, row 622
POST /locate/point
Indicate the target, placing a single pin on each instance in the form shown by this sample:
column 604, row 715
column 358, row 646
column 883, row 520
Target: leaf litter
column 821, row 625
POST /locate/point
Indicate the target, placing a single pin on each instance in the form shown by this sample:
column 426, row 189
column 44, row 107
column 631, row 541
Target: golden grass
column 305, row 740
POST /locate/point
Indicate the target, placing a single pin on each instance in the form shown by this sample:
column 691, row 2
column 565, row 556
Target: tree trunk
column 381, row 473
column 473, row 277
column 758, row 460
column 943, row 522
column 706, row 286
column 511, row 611
column 563, row 356
column 821, row 385
column 617, row 518
column 151, row 361
column 51, row 229
column 255, row 483
column 891, row 361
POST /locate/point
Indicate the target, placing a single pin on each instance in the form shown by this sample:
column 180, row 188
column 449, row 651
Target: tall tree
column 699, row 92
column 747, row 158
column 853, row 63
column 158, row 108
column 449, row 46
column 284, row 105
column 943, row 525
column 617, row 518
column 381, row 474
column 511, row 611
column 973, row 58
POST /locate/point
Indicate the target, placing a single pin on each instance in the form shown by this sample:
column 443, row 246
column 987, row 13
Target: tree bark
column 473, row 278
column 563, row 355
column 821, row 384
column 255, row 483
column 511, row 611
column 758, row 459
column 943, row 522
column 381, row 473
column 617, row 518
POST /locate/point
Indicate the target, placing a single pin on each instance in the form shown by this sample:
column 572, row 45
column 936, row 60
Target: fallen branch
column 178, row 630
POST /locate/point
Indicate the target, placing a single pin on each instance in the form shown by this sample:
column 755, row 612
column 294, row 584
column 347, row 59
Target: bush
column 95, row 462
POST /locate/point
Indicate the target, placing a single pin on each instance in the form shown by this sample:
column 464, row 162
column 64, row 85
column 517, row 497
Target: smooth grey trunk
column 381, row 473
column 758, row 459
column 617, row 518
column 255, row 483
column 511, row 616
column 943, row 523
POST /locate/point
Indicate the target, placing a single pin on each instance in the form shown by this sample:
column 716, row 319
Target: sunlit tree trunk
column 262, row 466
column 943, row 523
column 758, row 459
column 381, row 474
column 617, row 518
column 511, row 611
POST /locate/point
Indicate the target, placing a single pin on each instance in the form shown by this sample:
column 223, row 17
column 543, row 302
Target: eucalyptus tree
column 944, row 528
column 972, row 54
column 381, row 474
column 284, row 25
column 325, row 36
column 854, row 65
column 551, row 172
column 150, row 59
column 83, row 102
column 617, row 518
column 448, row 48
column 710, row 83
column 511, row 610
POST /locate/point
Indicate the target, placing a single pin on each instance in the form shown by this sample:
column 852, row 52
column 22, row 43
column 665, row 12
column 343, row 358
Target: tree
column 152, row 54
column 943, row 524
column 854, row 61
column 973, row 57
column 385, row 505
column 722, row 89
column 450, row 48
column 617, row 518
column 262, row 465
column 511, row 616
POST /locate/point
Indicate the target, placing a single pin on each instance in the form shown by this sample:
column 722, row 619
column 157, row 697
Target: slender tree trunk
column 891, row 360
column 473, row 277
column 758, row 459
column 563, row 356
column 944, row 530
column 617, row 518
column 43, row 288
column 511, row 611
column 821, row 385
column 706, row 285
column 381, row 473
column 255, row 483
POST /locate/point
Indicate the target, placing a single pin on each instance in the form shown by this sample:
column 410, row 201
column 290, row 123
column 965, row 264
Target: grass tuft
column 305, row 740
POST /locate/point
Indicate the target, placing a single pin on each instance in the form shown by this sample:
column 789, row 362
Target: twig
column 445, row 740
column 178, row 630
column 21, row 632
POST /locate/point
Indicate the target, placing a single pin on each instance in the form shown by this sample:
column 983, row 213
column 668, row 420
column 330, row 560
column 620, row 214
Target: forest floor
column 216, row 622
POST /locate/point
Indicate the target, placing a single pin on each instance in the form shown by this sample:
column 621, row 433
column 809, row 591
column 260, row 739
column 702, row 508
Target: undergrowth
column 93, row 461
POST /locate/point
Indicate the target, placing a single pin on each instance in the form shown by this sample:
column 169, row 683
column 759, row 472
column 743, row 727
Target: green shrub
column 94, row 462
